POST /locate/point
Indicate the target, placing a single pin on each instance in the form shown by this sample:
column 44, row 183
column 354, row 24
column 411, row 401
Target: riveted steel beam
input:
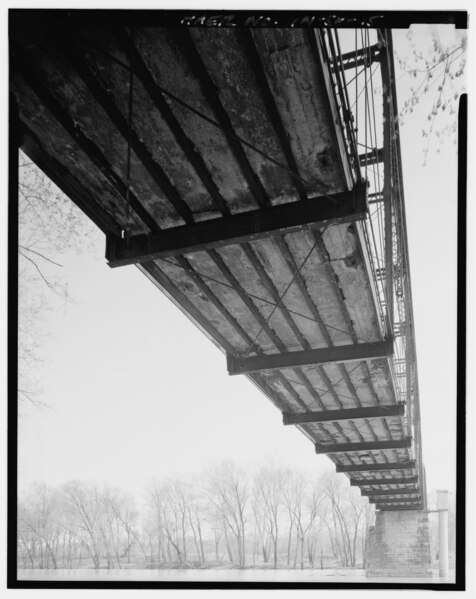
column 336, row 354
column 376, row 467
column 363, row 446
column 347, row 414
column 240, row 228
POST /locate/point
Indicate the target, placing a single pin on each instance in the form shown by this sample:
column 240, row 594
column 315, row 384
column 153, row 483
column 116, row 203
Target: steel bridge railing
column 364, row 92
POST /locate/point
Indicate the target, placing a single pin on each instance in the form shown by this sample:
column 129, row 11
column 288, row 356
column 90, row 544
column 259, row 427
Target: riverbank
column 346, row 575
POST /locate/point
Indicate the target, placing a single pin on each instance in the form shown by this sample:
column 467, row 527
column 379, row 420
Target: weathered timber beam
column 112, row 110
column 376, row 467
column 372, row 157
column 166, row 112
column 185, row 42
column 243, row 227
column 269, row 331
column 383, row 481
column 67, row 182
column 382, row 493
column 349, row 414
column 254, row 58
column 335, row 354
column 87, row 145
column 363, row 446
column 359, row 57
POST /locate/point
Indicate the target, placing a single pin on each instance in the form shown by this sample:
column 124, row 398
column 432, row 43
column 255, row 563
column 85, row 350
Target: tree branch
column 47, row 283
column 40, row 255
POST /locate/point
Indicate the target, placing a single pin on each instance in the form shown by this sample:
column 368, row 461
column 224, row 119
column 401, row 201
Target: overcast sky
column 136, row 391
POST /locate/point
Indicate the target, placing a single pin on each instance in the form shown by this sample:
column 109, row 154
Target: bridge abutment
column 398, row 545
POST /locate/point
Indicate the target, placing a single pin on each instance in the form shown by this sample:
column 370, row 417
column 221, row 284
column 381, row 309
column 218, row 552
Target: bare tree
column 99, row 519
column 168, row 504
column 83, row 524
column 347, row 508
column 305, row 520
column 228, row 491
column 269, row 484
column 196, row 515
column 293, row 491
column 217, row 535
column 181, row 498
column 155, row 499
column 49, row 226
column 121, row 517
column 434, row 62
column 262, row 535
column 38, row 529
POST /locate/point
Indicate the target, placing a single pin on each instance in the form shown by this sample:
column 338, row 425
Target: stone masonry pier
column 399, row 545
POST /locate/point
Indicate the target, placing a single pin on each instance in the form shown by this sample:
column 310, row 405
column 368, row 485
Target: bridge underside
column 223, row 176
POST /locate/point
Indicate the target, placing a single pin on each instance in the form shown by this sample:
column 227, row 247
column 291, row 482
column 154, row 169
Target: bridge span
column 254, row 176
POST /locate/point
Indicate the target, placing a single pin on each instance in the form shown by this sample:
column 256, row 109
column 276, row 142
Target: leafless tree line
column 274, row 517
